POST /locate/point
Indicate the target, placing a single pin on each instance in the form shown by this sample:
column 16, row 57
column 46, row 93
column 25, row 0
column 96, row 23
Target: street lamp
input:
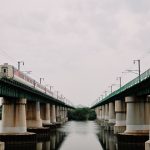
column 120, row 81
column 50, row 88
column 111, row 87
column 139, row 67
column 19, row 63
column 41, row 80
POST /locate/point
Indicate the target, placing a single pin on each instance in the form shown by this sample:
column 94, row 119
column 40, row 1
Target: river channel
column 75, row 135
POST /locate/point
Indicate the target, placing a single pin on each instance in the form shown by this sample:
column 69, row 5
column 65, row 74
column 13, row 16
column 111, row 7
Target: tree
column 81, row 114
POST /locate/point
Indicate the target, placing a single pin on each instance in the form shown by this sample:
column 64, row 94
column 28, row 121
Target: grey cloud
column 80, row 45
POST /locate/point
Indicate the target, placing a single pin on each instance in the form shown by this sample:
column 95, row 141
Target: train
column 10, row 72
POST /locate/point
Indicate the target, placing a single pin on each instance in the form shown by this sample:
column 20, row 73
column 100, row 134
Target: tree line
column 81, row 114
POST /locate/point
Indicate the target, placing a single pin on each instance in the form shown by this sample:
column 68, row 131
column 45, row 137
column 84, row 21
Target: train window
column 4, row 70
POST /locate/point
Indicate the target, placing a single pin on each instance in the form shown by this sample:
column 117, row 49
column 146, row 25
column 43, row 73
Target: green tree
column 81, row 114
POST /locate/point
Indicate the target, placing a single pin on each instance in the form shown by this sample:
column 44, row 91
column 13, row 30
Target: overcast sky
column 78, row 46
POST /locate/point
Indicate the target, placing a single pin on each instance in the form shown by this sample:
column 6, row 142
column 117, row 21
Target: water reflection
column 107, row 139
column 72, row 136
column 54, row 142
column 77, row 136
column 81, row 135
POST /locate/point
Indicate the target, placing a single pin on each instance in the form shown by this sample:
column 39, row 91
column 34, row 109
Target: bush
column 81, row 114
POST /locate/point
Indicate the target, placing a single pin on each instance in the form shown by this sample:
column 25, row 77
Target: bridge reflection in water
column 73, row 135
column 109, row 141
column 50, row 141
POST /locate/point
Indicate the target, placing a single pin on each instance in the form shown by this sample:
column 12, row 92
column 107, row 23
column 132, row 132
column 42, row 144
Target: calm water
column 81, row 136
column 71, row 136
column 76, row 136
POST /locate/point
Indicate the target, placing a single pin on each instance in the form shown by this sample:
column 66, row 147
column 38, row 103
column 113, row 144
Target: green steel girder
column 13, row 89
column 134, row 87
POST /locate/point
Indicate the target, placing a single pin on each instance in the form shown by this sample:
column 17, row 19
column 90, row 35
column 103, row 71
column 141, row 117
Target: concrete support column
column 112, row 115
column 100, row 112
column 147, row 143
column 33, row 114
column 45, row 113
column 13, row 115
column 103, row 115
column 2, row 146
column 63, row 112
column 120, row 110
column 137, row 120
column 103, row 112
column 53, row 114
column 106, row 112
column 60, row 112
column 66, row 114
column 96, row 111
column 58, row 118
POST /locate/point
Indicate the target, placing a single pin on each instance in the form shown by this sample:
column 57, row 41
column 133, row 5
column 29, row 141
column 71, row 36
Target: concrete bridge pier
column 112, row 115
column 120, row 110
column 63, row 114
column 58, row 117
column 137, row 115
column 103, row 116
column 98, row 113
column 137, row 122
column 45, row 113
column 14, row 115
column 14, row 125
column 66, row 114
column 106, row 119
column 33, row 114
column 53, row 113
column 147, row 143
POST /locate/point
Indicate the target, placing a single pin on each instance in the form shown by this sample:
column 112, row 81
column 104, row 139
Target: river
column 81, row 136
column 75, row 135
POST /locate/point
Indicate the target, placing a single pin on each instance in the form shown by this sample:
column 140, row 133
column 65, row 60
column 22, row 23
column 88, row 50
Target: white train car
column 10, row 72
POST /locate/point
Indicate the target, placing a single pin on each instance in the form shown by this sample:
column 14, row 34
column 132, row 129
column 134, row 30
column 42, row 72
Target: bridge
column 25, row 106
column 126, row 110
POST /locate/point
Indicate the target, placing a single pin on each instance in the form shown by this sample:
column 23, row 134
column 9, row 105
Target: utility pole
column 111, row 88
column 19, row 63
column 139, row 67
column 41, row 80
column 120, row 81
column 51, row 88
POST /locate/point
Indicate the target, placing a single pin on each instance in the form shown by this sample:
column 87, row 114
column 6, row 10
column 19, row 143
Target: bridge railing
column 130, row 84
